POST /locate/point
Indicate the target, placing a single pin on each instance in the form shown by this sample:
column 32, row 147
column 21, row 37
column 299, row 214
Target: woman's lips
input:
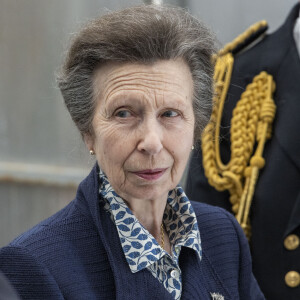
column 152, row 174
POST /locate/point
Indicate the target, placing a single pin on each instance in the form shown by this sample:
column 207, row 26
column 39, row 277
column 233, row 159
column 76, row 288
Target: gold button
column 292, row 279
column 291, row 242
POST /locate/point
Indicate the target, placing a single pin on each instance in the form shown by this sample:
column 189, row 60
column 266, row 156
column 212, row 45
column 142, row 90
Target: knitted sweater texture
column 76, row 254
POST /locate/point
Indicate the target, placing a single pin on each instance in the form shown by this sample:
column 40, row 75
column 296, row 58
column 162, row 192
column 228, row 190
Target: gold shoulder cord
column 251, row 123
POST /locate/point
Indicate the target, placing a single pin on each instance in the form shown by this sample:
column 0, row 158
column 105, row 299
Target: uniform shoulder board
column 245, row 39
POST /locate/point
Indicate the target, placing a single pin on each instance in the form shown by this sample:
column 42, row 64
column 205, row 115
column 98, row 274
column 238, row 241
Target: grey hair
column 142, row 34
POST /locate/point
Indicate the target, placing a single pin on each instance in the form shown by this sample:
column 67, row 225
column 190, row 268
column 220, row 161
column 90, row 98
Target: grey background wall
column 42, row 157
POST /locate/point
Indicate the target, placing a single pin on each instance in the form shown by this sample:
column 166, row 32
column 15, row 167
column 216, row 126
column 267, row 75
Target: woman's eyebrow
column 119, row 101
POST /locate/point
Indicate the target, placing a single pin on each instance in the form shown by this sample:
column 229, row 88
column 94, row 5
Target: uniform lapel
column 288, row 105
column 287, row 95
column 295, row 217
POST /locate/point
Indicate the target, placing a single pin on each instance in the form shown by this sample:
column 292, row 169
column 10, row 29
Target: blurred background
column 42, row 157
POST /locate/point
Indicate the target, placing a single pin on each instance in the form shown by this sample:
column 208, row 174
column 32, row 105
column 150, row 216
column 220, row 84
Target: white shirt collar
column 297, row 33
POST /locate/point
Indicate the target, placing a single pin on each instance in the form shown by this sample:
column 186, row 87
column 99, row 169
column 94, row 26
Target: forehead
column 165, row 77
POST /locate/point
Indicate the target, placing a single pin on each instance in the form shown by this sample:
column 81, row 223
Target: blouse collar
column 140, row 248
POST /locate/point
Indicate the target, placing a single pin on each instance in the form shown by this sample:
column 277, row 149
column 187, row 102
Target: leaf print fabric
column 140, row 248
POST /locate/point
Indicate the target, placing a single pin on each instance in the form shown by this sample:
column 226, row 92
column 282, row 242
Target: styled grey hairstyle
column 143, row 34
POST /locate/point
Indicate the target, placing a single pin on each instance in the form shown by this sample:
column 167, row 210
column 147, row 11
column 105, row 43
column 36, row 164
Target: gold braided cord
column 250, row 125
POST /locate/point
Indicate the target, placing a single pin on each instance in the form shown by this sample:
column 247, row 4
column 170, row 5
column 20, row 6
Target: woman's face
column 143, row 126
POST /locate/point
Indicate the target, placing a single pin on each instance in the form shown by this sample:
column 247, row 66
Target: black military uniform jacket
column 275, row 212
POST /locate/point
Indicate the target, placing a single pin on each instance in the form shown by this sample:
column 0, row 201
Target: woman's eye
column 170, row 114
column 123, row 114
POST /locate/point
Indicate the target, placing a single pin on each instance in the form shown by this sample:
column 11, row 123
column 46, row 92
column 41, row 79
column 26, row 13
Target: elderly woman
column 138, row 85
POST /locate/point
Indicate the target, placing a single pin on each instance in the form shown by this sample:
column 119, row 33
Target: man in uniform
column 275, row 208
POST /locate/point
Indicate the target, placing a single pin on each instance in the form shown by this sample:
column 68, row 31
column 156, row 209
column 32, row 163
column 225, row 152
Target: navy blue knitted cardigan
column 76, row 254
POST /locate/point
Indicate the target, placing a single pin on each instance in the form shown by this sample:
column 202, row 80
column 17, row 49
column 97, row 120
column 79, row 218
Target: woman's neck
column 150, row 215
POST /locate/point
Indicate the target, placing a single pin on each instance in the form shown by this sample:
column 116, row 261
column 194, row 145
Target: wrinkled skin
column 143, row 129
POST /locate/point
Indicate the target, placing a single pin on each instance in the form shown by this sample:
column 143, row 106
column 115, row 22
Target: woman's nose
column 151, row 138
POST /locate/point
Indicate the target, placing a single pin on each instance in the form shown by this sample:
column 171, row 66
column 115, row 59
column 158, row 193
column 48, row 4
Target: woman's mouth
column 152, row 174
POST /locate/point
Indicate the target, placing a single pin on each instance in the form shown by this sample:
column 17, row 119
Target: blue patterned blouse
column 140, row 247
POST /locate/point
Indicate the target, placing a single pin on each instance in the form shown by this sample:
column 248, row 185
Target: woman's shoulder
column 216, row 225
column 33, row 253
column 209, row 212
column 53, row 251
column 68, row 223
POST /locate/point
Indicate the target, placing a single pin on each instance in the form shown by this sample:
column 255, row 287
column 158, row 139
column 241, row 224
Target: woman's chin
column 145, row 192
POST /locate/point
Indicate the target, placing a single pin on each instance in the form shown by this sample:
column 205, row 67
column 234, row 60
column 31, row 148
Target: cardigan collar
column 87, row 201
column 193, row 270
